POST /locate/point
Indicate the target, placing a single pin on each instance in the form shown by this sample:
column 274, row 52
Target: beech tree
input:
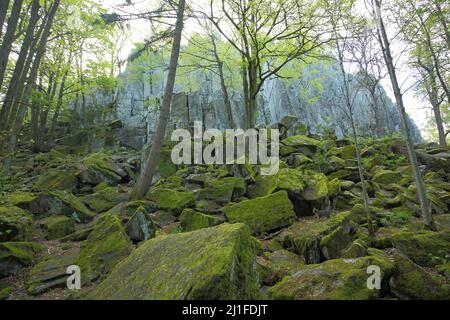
column 385, row 46
column 146, row 176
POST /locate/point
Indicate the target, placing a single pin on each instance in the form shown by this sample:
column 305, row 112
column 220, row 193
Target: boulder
column 277, row 264
column 212, row 263
column 171, row 200
column 425, row 248
column 140, row 227
column 57, row 226
column 56, row 179
column 387, row 176
column 104, row 199
column 98, row 167
column 357, row 249
column 302, row 143
column 191, row 220
column 332, row 244
column 411, row 281
column 17, row 255
column 304, row 237
column 51, row 273
column 339, row 279
column 224, row 190
column 106, row 245
column 263, row 214
column 62, row 202
column 15, row 224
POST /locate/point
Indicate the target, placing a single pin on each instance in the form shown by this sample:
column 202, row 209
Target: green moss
column 75, row 206
column 291, row 180
column 339, row 279
column 334, row 187
column 166, row 167
column 264, row 214
column 211, row 263
column 105, row 199
column 426, row 248
column 386, row 176
column 316, row 188
column 56, row 179
column 300, row 141
column 57, row 226
column 263, row 186
column 22, row 199
column 171, row 200
column 5, row 293
column 191, row 220
column 332, row 244
column 107, row 244
column 15, row 224
column 16, row 255
column 99, row 163
column 357, row 249
column 224, row 190
column 275, row 265
column 412, row 282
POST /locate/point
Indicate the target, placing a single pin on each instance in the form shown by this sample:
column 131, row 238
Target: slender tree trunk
column 4, row 4
column 57, row 109
column 8, row 39
column 246, row 93
column 20, row 63
column 443, row 19
column 385, row 45
column 226, row 98
column 145, row 178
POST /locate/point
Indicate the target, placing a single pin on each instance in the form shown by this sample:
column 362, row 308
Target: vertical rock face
column 315, row 98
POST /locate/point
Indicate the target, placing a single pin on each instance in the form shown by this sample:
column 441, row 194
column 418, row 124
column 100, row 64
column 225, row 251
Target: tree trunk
column 246, row 93
column 385, row 45
column 226, row 98
column 19, row 68
column 8, row 39
column 4, row 4
column 57, row 109
column 145, row 178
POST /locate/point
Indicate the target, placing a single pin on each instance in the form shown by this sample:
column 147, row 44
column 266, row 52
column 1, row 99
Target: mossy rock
column 51, row 273
column 212, row 263
column 5, row 293
column 73, row 206
column 304, row 236
column 301, row 141
column 104, row 199
column 171, row 200
column 191, row 220
column 263, row 214
column 410, row 281
column 444, row 269
column 386, row 177
column 275, row 265
column 291, row 180
column 56, row 179
column 140, row 227
column 426, row 248
column 99, row 167
column 263, row 186
column 334, row 187
column 57, row 226
column 443, row 221
column 16, row 255
column 356, row 249
column 332, row 244
column 25, row 200
column 224, row 190
column 107, row 244
column 316, row 188
column 347, row 152
column 15, row 224
column 339, row 279
column 166, row 167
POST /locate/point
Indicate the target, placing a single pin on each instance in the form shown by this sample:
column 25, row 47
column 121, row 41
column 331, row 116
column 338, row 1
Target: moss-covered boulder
column 304, row 237
column 386, row 176
column 104, row 248
column 291, row 180
column 263, row 214
column 57, row 226
column 99, row 167
column 411, row 281
column 15, row 224
column 339, row 279
column 263, row 186
column 28, row 201
column 224, row 190
column 56, row 179
column 332, row 244
column 275, row 265
column 191, row 220
column 63, row 202
column 211, row 263
column 302, row 143
column 17, row 255
column 316, row 188
column 357, row 249
column 426, row 248
column 51, row 273
column 171, row 200
column 104, row 199
column 166, row 167
column 140, row 227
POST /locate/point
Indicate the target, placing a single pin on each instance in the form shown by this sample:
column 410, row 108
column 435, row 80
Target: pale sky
column 140, row 30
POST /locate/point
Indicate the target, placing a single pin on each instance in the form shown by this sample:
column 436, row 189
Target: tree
column 268, row 35
column 387, row 54
column 346, row 30
column 146, row 176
